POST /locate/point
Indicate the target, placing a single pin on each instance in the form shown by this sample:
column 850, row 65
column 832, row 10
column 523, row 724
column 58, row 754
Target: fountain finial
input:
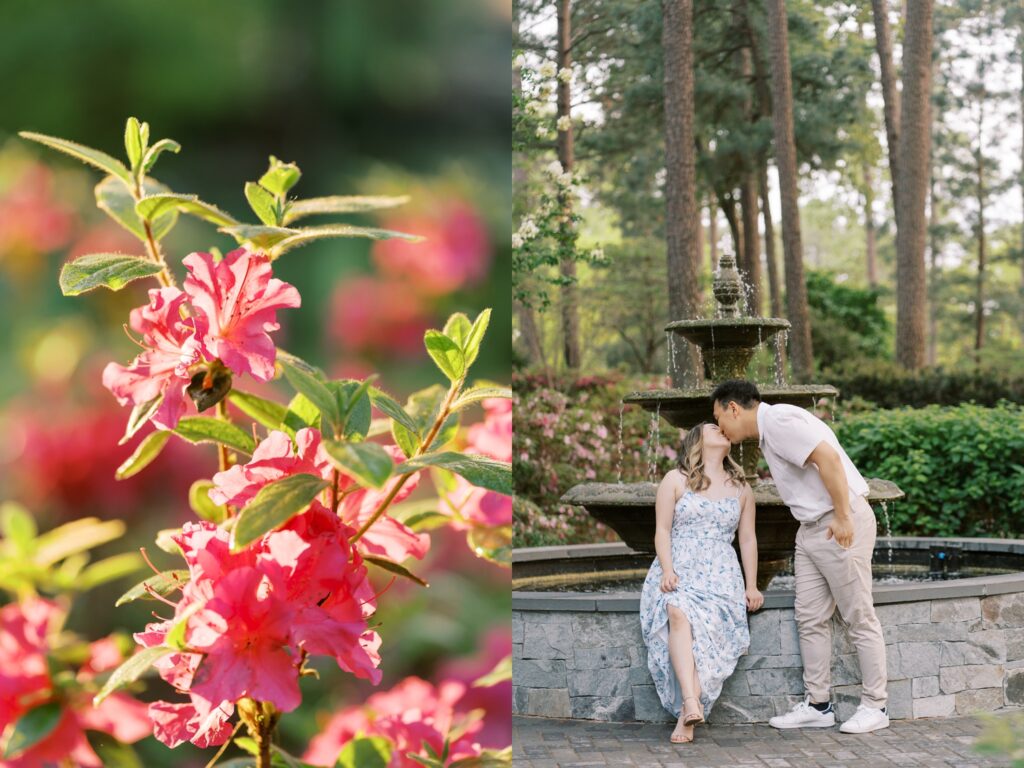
column 727, row 286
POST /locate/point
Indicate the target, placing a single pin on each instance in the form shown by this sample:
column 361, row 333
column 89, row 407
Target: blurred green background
column 396, row 97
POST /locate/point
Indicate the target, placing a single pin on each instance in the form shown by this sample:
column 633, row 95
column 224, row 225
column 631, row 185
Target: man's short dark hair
column 744, row 393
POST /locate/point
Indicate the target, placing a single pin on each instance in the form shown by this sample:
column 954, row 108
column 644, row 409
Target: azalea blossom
column 547, row 69
column 236, row 302
column 565, row 75
column 26, row 630
column 170, row 345
column 412, row 713
column 491, row 437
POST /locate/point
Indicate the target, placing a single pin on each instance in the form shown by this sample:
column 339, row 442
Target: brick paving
column 931, row 743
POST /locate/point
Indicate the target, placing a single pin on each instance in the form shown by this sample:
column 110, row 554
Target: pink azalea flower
column 25, row 633
column 370, row 315
column 411, row 713
column 491, row 437
column 295, row 592
column 236, row 302
column 171, row 346
column 495, row 700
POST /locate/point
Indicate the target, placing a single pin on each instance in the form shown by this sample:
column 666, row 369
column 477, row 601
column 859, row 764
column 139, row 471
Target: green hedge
column 889, row 386
column 961, row 467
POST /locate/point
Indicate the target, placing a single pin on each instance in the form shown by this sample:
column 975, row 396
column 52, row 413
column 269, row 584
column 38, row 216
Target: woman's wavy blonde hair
column 691, row 461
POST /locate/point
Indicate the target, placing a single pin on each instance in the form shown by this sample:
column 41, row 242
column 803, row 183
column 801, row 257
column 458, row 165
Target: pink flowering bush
column 567, row 433
column 308, row 495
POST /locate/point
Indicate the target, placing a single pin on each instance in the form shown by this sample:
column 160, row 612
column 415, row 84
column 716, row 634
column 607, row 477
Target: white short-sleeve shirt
column 788, row 436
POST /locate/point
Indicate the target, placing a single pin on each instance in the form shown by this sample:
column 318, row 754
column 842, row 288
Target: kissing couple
column 695, row 599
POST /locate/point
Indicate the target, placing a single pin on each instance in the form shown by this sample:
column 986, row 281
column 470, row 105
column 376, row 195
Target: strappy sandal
column 679, row 738
column 693, row 718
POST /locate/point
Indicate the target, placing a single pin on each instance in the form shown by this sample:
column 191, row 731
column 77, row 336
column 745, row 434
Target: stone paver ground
column 932, row 743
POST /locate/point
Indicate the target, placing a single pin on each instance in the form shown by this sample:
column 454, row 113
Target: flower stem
column 222, row 450
column 164, row 277
column 260, row 719
column 442, row 414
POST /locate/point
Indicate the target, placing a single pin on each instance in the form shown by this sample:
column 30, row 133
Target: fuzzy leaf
column 109, row 569
column 164, row 145
column 201, row 503
column 104, row 270
column 368, row 463
column 133, row 142
column 203, row 429
column 275, row 504
column 74, row 537
column 365, row 752
column 481, row 471
column 154, row 206
column 457, row 328
column 260, row 237
column 265, row 412
column 471, row 347
column 262, row 203
column 92, row 157
column 131, row 670
column 115, row 199
column 139, row 417
column 32, row 727
column 143, row 455
column 392, row 567
column 446, row 354
column 308, row 380
column 280, row 177
column 339, row 204
column 163, row 583
column 312, row 234
column 476, row 394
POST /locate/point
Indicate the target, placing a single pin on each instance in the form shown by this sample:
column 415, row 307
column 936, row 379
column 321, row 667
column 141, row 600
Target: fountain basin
column 953, row 647
column 628, row 509
column 728, row 344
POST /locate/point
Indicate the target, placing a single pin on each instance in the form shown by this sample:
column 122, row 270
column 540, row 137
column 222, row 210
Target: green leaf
column 481, row 471
column 265, row 412
column 104, row 270
column 426, row 521
column 494, row 544
column 368, row 463
column 423, row 407
column 476, row 336
column 308, row 381
column 396, row 568
column 133, row 142
column 109, row 569
column 93, row 157
column 476, row 394
column 489, row 758
column 502, row 671
column 446, row 354
column 308, row 235
column 457, row 328
column 32, row 727
column 175, row 636
column 262, row 203
column 163, row 583
column 154, row 206
column 339, row 204
column 18, row 526
column 76, row 536
column 301, row 414
column 354, row 406
column 143, row 455
column 139, row 417
column 165, row 541
column 111, row 752
column 280, row 177
column 131, row 670
column 116, row 200
column 275, row 504
column 164, row 145
column 204, row 429
column 365, row 752
column 390, row 408
column 260, row 237
column 201, row 503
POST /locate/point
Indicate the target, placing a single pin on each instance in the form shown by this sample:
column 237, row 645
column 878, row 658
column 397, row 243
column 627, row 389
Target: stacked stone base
column 945, row 657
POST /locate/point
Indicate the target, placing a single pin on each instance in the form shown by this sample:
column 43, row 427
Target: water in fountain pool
column 888, row 530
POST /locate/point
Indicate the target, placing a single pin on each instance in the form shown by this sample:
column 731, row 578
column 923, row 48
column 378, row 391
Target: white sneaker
column 803, row 715
column 866, row 719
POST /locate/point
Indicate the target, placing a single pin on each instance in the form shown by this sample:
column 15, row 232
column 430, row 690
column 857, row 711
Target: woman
column 693, row 608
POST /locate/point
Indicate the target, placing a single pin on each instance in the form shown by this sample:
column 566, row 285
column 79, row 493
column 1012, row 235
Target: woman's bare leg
column 680, row 651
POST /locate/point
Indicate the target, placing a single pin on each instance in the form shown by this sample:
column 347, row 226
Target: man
column 834, row 544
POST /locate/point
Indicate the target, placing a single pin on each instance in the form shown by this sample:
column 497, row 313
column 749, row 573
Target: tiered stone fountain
column 727, row 344
column 953, row 644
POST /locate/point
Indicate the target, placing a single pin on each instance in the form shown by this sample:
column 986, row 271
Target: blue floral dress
column 710, row 592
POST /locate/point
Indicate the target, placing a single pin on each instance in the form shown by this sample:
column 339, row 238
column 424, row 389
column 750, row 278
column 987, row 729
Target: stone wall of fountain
column 727, row 344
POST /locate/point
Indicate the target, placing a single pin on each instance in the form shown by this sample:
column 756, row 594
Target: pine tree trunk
column 870, row 236
column 801, row 353
column 933, row 271
column 751, row 263
column 769, row 241
column 890, row 96
column 912, row 170
column 713, row 232
column 681, row 215
column 1020, row 47
column 567, row 268
column 979, row 299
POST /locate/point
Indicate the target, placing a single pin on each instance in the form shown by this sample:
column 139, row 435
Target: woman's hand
column 754, row 599
column 669, row 581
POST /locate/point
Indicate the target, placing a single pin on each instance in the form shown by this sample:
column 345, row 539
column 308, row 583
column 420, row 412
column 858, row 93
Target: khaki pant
column 827, row 576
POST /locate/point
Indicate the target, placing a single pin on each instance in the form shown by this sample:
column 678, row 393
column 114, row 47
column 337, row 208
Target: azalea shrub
column 308, row 497
column 567, row 432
